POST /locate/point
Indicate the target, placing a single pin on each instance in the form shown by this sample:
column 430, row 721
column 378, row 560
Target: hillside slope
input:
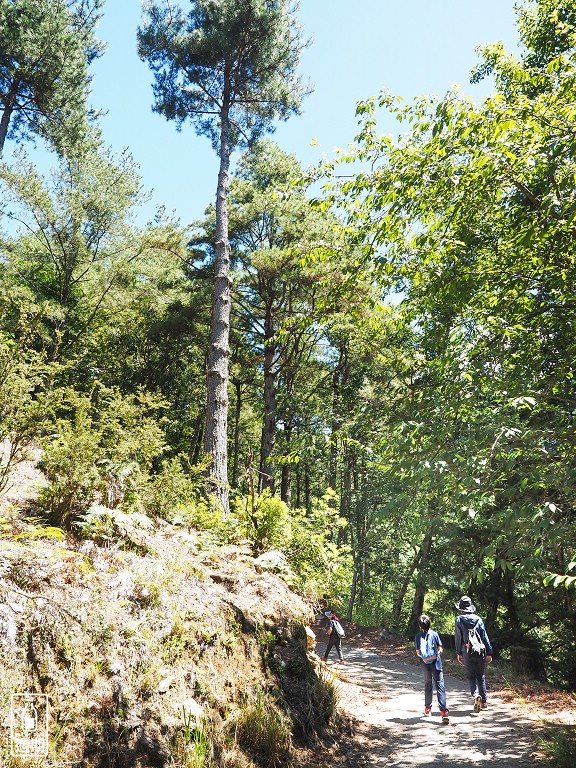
column 167, row 650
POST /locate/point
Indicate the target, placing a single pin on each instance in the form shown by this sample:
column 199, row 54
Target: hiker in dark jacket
column 334, row 641
column 475, row 666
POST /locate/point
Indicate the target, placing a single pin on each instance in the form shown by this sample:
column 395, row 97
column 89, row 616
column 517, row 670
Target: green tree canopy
column 46, row 48
column 76, row 244
column 471, row 212
column 233, row 60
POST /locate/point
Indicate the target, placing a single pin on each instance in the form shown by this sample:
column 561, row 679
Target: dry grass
column 263, row 731
column 119, row 639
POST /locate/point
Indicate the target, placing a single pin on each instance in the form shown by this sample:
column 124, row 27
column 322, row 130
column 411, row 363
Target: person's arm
column 417, row 648
column 458, row 641
column 486, row 640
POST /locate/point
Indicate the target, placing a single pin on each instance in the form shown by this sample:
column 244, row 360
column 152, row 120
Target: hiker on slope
column 474, row 649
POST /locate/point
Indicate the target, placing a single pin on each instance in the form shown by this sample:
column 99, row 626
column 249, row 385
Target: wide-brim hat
column 465, row 605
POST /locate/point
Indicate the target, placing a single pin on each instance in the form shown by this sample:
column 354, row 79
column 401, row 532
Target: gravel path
column 386, row 698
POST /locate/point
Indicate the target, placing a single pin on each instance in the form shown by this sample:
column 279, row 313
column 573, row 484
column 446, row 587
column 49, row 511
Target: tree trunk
column 9, row 103
column 286, row 487
column 510, row 603
column 345, row 496
column 417, row 607
column 336, row 423
column 196, row 445
column 417, row 561
column 216, row 437
column 298, row 486
column 268, row 442
column 364, row 580
column 339, row 380
column 362, row 527
column 237, row 412
column 353, row 588
column 493, row 593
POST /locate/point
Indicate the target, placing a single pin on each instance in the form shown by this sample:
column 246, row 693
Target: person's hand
column 459, row 658
column 488, row 659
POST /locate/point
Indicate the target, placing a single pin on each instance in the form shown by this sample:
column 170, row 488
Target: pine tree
column 228, row 66
column 45, row 51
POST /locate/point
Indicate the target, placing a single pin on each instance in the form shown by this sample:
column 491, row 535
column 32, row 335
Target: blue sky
column 411, row 48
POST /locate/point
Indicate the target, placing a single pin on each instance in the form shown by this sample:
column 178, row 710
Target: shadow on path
column 401, row 737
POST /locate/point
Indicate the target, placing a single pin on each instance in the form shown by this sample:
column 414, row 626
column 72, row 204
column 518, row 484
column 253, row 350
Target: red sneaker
column 445, row 717
column 427, row 711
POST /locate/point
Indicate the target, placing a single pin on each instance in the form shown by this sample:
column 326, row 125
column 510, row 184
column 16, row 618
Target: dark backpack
column 475, row 644
column 427, row 648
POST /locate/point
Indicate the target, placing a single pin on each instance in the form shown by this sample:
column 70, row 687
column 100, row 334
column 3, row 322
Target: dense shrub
column 23, row 374
column 177, row 494
column 321, row 565
column 265, row 521
column 101, row 448
column 313, row 562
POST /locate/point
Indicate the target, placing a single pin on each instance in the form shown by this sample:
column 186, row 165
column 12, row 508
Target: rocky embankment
column 161, row 650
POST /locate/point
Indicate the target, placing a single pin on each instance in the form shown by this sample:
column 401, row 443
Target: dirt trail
column 386, row 699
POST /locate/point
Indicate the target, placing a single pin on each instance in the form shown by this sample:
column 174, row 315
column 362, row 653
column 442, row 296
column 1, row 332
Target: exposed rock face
column 310, row 639
column 138, row 651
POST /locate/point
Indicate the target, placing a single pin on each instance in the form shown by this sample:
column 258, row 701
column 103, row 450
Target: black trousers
column 334, row 642
column 476, row 673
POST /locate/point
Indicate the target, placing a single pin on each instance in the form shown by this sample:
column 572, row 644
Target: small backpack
column 475, row 644
column 338, row 628
column 427, row 648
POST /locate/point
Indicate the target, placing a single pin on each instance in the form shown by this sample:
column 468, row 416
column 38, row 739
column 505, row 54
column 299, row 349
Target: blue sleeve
column 459, row 640
column 437, row 640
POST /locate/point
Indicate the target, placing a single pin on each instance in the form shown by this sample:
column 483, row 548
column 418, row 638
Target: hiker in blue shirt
column 474, row 660
column 429, row 649
column 335, row 640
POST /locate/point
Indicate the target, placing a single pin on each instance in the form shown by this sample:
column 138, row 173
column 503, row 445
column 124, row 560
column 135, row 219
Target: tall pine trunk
column 339, row 380
column 287, row 475
column 197, row 439
column 268, row 442
column 216, row 436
